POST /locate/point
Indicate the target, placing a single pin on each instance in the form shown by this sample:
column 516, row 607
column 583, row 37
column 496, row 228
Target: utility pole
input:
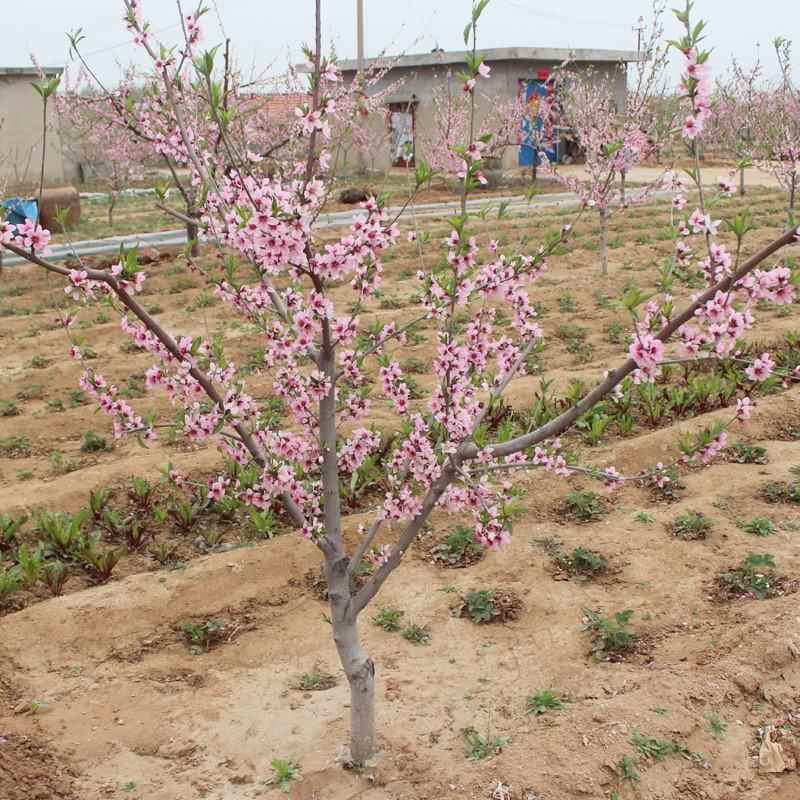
column 640, row 28
column 362, row 164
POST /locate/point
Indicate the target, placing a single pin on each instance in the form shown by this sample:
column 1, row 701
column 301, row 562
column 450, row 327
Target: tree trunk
column 360, row 671
column 357, row 665
column 192, row 232
column 622, row 188
column 111, row 203
column 604, row 241
column 741, row 182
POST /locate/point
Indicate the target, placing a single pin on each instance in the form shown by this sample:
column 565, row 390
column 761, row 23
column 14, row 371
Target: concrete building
column 516, row 72
column 21, row 130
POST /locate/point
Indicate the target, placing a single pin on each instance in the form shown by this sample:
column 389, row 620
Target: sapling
column 330, row 369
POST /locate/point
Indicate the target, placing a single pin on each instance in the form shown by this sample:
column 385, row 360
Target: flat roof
column 551, row 54
column 30, row 71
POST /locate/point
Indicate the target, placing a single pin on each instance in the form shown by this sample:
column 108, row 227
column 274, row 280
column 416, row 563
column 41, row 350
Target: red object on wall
column 543, row 74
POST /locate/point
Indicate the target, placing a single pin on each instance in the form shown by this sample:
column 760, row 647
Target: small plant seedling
column 128, row 786
column 759, row 526
column 781, row 492
column 743, row 453
column 10, row 580
column 388, row 619
column 611, row 636
column 8, row 408
column 545, row 700
column 55, row 576
column 582, row 562
column 626, row 769
column 100, row 565
column 62, row 465
column 458, row 549
column 479, row 747
column 316, row 681
column 653, row 748
column 9, row 528
column 263, row 523
column 756, row 577
column 94, row 443
column 567, row 304
column 585, row 506
column 15, row 447
column 212, row 538
column 644, row 518
column 39, row 362
column 62, row 534
column 201, row 636
column 717, row 726
column 285, row 771
column 31, row 563
column 165, row 554
column 691, row 525
column 416, row 634
column 489, row 605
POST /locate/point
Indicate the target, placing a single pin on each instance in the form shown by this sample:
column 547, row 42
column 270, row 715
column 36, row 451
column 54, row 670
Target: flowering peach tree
column 330, row 368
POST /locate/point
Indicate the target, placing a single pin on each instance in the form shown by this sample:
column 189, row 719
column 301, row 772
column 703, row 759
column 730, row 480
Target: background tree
column 780, row 130
column 740, row 106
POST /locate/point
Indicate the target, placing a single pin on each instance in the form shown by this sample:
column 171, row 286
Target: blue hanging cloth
column 18, row 210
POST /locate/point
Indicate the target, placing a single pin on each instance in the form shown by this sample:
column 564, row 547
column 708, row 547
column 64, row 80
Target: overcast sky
column 267, row 32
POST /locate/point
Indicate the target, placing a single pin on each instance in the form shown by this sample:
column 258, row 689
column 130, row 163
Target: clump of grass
column 692, row 525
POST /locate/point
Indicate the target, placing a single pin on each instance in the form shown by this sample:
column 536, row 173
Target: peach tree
column 331, row 368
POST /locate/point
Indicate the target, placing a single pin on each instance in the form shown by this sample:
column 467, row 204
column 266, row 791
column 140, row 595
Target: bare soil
column 101, row 695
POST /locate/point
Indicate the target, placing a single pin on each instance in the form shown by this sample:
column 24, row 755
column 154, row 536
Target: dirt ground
column 101, row 697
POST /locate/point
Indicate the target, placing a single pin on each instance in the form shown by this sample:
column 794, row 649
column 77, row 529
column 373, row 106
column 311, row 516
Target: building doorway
column 402, row 129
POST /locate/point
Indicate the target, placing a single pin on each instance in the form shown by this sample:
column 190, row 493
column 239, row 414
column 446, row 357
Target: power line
column 129, row 42
column 536, row 12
